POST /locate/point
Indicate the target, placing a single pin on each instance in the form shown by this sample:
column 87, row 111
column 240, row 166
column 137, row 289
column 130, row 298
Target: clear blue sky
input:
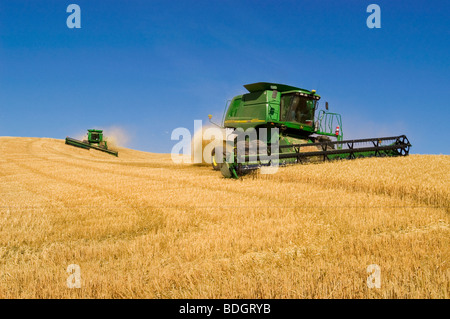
column 152, row 66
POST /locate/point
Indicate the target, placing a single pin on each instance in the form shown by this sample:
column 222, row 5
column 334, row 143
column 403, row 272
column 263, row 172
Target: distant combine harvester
column 95, row 141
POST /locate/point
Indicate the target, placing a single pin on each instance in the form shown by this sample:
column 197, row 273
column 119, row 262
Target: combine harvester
column 94, row 141
column 304, row 135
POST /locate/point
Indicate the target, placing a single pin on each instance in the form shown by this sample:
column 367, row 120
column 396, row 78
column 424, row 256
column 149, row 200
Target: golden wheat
column 141, row 226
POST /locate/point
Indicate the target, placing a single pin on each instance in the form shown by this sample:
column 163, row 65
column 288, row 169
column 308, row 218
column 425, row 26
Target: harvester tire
column 215, row 164
column 216, row 160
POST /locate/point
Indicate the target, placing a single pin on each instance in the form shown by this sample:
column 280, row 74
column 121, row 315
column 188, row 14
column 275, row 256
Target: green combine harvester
column 95, row 141
column 304, row 133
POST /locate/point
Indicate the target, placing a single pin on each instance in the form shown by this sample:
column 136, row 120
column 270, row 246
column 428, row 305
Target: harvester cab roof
column 265, row 86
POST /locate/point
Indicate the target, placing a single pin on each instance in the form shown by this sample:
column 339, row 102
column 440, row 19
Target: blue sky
column 152, row 66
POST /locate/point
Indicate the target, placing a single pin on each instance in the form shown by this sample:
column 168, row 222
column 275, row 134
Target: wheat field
column 140, row 226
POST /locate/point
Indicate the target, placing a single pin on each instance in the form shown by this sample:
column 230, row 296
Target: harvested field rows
column 140, row 226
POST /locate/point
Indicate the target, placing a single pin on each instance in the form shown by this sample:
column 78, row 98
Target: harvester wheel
column 228, row 168
column 215, row 163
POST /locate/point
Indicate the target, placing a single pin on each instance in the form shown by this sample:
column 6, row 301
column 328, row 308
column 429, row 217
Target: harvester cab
column 94, row 140
column 96, row 137
column 291, row 109
column 304, row 133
